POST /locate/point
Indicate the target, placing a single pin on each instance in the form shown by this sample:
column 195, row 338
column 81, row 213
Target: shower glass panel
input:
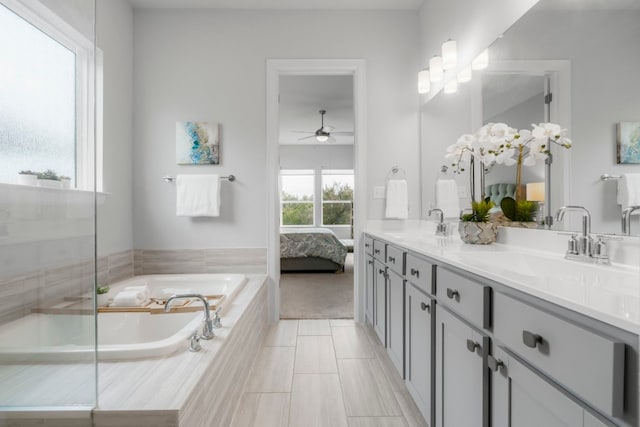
column 47, row 226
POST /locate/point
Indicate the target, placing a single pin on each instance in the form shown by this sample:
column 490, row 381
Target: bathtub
column 39, row 338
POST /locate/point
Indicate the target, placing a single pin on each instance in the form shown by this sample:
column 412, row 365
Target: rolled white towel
column 141, row 288
column 129, row 299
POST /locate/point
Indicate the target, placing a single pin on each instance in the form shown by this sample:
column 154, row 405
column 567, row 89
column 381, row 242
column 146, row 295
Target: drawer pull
column 426, row 307
column 452, row 293
column 381, row 271
column 472, row 346
column 377, row 251
column 392, row 259
column 366, row 245
column 415, row 272
column 370, row 262
column 530, row 339
column 494, row 364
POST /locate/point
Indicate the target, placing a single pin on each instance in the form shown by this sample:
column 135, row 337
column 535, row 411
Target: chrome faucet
column 579, row 246
column 626, row 219
column 441, row 227
column 207, row 330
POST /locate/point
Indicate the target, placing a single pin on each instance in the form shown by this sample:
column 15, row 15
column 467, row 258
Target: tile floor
column 324, row 373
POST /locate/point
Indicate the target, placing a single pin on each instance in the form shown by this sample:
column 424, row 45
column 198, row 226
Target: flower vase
column 478, row 233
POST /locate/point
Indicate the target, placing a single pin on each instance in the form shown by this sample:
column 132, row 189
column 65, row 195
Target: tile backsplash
column 227, row 260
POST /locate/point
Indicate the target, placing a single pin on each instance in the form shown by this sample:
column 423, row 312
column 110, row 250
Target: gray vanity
column 478, row 350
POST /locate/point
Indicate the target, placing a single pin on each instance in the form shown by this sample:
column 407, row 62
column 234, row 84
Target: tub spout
column 207, row 330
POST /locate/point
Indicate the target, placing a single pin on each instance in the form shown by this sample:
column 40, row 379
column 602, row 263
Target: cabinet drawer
column 464, row 296
column 379, row 251
column 588, row 364
column 395, row 259
column 419, row 272
column 368, row 245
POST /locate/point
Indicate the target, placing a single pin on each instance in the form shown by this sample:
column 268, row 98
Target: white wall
column 210, row 65
column 115, row 38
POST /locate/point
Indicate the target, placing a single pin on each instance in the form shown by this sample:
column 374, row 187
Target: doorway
column 299, row 154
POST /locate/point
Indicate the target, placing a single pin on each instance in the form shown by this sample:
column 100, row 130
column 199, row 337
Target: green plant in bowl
column 48, row 174
column 519, row 210
column 479, row 212
column 28, row 172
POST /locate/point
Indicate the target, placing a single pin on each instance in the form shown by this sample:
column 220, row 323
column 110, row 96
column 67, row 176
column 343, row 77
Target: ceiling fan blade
column 300, row 131
column 331, row 139
column 327, row 128
column 343, row 133
column 307, row 137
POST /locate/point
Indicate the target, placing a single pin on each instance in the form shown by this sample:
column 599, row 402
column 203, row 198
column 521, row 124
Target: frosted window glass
column 37, row 101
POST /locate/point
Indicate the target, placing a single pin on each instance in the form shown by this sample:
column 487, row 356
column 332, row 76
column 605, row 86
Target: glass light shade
column 435, row 69
column 465, row 75
column 535, row 191
column 449, row 55
column 322, row 138
column 451, row 86
column 424, row 84
column 482, row 61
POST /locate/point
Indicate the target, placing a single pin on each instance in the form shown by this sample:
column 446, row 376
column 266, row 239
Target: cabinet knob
column 392, row 259
column 415, row 272
column 494, row 364
column 530, row 339
column 426, row 307
column 452, row 293
column 366, row 245
column 472, row 346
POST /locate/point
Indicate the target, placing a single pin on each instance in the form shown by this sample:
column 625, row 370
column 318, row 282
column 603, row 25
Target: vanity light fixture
column 464, row 76
column 424, row 84
column 482, row 61
column 451, row 86
column 449, row 55
column 435, row 68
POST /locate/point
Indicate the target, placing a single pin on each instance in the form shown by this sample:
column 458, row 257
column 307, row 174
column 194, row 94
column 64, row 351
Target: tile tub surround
column 183, row 389
column 220, row 260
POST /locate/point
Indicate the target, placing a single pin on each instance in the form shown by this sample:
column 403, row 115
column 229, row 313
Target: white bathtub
column 121, row 336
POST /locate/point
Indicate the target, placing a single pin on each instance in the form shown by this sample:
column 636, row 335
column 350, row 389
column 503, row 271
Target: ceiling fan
column 323, row 134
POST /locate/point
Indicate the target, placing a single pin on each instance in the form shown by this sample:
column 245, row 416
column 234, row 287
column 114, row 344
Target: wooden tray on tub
column 156, row 306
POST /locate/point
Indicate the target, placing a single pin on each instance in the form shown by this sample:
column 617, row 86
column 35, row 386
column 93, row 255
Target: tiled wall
column 230, row 260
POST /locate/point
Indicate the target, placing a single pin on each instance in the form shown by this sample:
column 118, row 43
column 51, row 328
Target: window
column 46, row 97
column 337, row 197
column 296, row 197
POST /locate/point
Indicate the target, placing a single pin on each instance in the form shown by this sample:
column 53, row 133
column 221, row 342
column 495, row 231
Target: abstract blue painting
column 197, row 143
column 629, row 142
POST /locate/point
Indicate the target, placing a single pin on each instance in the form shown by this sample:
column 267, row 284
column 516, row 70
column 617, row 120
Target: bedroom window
column 337, row 197
column 296, row 198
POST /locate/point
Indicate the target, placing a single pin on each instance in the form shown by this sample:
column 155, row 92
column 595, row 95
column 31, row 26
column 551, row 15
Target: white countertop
column 607, row 293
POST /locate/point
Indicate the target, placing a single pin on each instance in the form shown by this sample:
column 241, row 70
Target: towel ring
column 170, row 179
column 396, row 173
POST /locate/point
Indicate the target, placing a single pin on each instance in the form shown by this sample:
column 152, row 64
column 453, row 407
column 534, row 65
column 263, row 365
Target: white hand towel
column 397, row 199
column 629, row 190
column 144, row 289
column 129, row 299
column 198, row 195
column 447, row 198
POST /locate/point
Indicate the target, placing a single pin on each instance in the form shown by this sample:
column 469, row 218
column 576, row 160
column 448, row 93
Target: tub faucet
column 579, row 246
column 207, row 330
column 441, row 226
column 626, row 219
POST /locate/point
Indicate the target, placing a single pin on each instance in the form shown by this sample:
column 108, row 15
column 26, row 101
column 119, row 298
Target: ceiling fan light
column 482, row 61
column 449, row 55
column 322, row 138
column 435, row 68
column 424, row 84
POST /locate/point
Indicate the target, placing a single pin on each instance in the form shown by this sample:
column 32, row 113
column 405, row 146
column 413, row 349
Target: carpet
column 317, row 295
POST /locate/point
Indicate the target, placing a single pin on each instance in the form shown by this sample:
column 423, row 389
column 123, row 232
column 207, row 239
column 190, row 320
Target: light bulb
column 465, row 75
column 449, row 55
column 482, row 61
column 451, row 86
column 424, row 84
column 435, row 69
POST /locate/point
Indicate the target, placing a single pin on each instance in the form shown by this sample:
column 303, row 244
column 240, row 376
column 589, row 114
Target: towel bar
column 607, row 177
column 168, row 178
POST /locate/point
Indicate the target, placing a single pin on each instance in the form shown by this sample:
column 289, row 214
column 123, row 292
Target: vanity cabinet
column 420, row 339
column 380, row 298
column 462, row 382
column 521, row 398
column 395, row 319
column 370, row 278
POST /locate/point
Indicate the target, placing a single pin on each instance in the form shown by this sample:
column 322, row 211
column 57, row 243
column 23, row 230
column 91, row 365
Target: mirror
column 585, row 55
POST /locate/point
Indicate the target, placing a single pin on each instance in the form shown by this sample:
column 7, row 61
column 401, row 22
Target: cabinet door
column 380, row 296
column 462, row 382
column 521, row 398
column 419, row 315
column 369, row 288
column 395, row 320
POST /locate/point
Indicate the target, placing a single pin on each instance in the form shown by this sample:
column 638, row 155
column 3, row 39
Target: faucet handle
column 194, row 342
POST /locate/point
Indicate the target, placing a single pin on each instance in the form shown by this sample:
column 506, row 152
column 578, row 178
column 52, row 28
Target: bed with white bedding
column 311, row 249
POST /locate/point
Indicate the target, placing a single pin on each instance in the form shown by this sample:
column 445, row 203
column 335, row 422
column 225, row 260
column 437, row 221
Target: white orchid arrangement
column 497, row 143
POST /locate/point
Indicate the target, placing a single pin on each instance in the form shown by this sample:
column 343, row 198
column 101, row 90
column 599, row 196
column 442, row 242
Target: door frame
column 314, row 67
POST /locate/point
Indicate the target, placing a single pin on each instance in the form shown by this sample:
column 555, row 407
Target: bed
column 311, row 249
